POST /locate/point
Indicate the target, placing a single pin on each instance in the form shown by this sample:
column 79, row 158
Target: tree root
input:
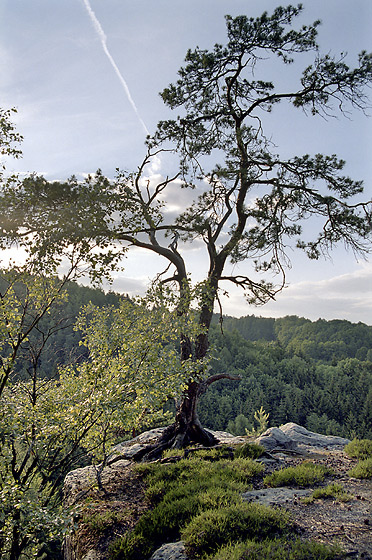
column 174, row 437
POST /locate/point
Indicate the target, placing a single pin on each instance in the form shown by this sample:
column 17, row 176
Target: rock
column 302, row 436
column 170, row 551
column 274, row 438
column 78, row 481
column 275, row 496
column 293, row 437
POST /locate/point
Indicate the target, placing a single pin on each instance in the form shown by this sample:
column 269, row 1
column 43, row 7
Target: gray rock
column 302, row 436
column 170, row 551
column 93, row 555
column 274, row 438
column 275, row 496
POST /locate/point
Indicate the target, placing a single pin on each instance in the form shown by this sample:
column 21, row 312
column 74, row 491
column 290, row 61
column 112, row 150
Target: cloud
column 346, row 296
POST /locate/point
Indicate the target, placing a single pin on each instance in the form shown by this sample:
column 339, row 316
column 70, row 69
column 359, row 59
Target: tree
column 250, row 203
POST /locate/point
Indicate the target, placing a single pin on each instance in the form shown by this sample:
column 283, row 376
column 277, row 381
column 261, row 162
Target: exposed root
column 175, row 438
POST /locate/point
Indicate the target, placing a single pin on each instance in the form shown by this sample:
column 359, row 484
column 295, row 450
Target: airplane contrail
column 101, row 34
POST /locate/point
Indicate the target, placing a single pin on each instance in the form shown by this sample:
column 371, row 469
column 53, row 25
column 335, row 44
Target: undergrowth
column 179, row 492
column 363, row 469
column 278, row 549
column 335, row 491
column 359, row 448
column 305, row 474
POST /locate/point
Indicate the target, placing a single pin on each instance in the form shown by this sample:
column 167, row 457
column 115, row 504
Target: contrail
column 101, row 34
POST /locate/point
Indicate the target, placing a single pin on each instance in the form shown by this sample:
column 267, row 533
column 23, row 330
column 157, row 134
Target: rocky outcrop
column 81, row 484
column 292, row 437
column 303, row 437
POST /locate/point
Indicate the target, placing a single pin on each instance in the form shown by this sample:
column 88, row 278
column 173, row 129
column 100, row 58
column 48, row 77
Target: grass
column 359, row 448
column 198, row 499
column 305, row 474
column 362, row 470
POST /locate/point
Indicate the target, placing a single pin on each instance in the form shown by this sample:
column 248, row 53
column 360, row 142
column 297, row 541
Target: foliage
column 213, row 528
column 305, row 474
column 331, row 396
column 363, row 469
column 179, row 492
column 359, row 448
column 49, row 424
column 278, row 549
column 262, row 419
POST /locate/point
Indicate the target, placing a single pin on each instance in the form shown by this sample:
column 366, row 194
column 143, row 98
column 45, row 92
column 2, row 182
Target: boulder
column 302, row 436
column 292, row 437
column 170, row 551
column 275, row 438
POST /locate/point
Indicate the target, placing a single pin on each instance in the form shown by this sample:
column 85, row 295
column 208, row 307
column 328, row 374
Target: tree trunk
column 185, row 429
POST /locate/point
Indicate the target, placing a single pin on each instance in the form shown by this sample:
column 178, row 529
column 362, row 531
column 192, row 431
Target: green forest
column 317, row 374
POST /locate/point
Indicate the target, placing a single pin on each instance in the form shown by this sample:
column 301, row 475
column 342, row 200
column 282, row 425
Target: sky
column 85, row 77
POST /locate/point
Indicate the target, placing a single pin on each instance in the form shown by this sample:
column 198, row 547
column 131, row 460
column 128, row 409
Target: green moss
column 179, row 492
column 305, row 474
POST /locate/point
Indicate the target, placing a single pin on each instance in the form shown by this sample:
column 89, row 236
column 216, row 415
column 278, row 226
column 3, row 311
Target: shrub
column 359, row 448
column 250, row 450
column 181, row 491
column 334, row 490
column 362, row 470
column 277, row 550
column 99, row 521
column 214, row 528
column 305, row 474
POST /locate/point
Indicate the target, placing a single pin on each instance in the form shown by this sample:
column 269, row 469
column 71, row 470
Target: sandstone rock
column 302, row 436
column 274, row 438
column 170, row 551
column 275, row 496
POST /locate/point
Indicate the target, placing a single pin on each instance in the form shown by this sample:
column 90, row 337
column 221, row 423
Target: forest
column 317, row 374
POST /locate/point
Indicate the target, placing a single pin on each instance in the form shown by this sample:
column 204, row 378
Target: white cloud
column 347, row 296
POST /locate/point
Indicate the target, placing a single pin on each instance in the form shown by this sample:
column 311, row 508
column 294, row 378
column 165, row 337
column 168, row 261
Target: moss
column 251, row 450
column 335, row 491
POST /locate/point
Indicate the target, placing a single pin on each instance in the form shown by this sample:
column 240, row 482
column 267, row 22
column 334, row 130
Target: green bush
column 277, row 549
column 305, row 474
column 362, row 470
column 334, row 490
column 251, row 450
column 213, row 528
column 359, row 448
column 179, row 492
